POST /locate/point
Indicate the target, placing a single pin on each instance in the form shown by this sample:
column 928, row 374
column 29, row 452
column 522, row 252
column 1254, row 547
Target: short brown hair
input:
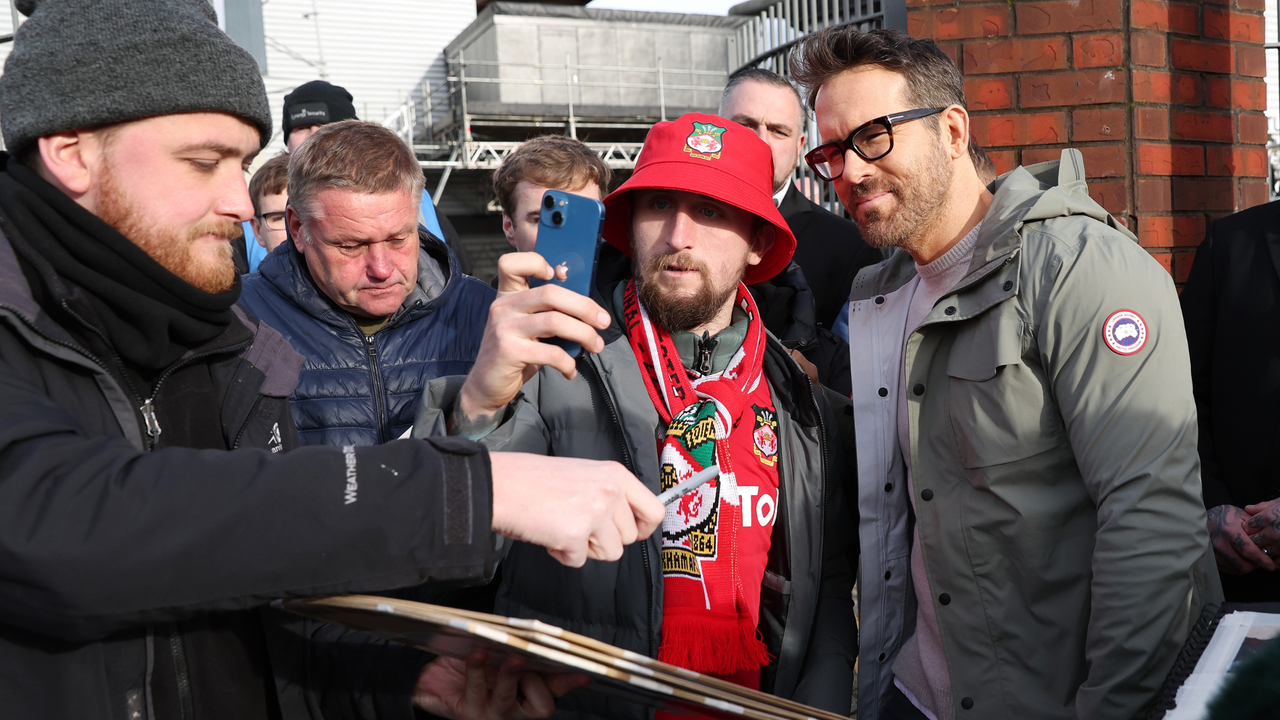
column 270, row 179
column 553, row 161
column 352, row 155
column 932, row 79
column 983, row 163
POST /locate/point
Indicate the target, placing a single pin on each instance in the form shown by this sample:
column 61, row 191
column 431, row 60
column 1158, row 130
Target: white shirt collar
column 777, row 197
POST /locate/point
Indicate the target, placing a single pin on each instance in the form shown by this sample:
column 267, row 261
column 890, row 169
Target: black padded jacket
column 110, row 551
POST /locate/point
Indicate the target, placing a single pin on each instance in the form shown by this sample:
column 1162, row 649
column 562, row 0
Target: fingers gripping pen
column 688, row 486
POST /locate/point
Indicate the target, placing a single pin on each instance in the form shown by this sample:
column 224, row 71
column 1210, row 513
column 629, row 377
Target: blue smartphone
column 569, row 234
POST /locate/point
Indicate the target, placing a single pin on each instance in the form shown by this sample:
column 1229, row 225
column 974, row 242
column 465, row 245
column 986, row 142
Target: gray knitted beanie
column 84, row 63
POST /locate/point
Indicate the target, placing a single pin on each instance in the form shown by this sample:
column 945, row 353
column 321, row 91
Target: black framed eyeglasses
column 871, row 140
column 272, row 220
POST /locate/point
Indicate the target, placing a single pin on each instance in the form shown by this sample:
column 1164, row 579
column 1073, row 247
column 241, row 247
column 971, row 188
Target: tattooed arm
column 1235, row 550
column 1264, row 526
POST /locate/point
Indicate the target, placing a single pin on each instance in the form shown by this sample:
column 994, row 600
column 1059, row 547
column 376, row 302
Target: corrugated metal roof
column 584, row 13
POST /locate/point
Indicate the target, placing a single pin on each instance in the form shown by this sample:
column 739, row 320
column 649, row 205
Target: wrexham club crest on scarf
column 705, row 141
column 689, row 533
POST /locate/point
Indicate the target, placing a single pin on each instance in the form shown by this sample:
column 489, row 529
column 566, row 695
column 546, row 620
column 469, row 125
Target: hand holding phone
column 569, row 240
column 514, row 346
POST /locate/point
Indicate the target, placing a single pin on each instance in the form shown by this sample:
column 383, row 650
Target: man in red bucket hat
column 750, row 578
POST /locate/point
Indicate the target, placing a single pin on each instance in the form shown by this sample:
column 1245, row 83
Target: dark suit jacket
column 785, row 303
column 829, row 250
column 1231, row 305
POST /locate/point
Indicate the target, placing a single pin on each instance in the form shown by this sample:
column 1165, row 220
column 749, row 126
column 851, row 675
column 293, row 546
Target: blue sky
column 701, row 7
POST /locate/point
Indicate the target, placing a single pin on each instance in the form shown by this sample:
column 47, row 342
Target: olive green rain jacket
column 1057, row 481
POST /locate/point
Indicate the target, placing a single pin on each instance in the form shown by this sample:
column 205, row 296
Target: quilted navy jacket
column 358, row 391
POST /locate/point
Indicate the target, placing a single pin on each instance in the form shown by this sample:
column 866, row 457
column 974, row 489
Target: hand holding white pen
column 578, row 509
column 688, row 486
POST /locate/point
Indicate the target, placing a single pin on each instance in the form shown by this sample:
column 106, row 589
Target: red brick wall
column 1163, row 98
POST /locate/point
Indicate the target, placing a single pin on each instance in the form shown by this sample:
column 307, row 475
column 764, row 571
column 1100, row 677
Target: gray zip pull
column 149, row 415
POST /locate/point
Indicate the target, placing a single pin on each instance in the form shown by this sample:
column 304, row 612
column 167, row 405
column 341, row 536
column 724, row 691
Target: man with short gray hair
column 373, row 301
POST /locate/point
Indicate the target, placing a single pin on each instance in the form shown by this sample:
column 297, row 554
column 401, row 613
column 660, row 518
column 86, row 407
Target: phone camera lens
column 557, row 217
column 548, row 202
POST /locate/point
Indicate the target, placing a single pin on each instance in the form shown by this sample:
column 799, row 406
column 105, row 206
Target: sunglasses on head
column 871, row 140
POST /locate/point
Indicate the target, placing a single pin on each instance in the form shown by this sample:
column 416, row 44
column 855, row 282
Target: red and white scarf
column 708, row 625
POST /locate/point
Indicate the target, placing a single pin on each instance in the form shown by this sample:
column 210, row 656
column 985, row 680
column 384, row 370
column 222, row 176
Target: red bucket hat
column 707, row 155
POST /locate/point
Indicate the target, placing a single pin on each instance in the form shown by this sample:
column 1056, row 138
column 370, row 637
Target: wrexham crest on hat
column 705, row 141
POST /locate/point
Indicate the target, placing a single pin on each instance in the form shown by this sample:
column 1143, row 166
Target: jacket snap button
column 1008, row 285
column 882, row 657
column 951, row 310
column 887, row 574
column 884, row 392
column 945, row 599
column 879, row 299
column 967, row 703
column 888, row 487
column 927, row 494
column 918, row 389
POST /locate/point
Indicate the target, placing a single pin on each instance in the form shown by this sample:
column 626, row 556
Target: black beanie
column 316, row 103
column 86, row 63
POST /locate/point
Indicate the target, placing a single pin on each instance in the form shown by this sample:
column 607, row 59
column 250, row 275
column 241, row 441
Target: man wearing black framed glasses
column 1022, row 390
column 269, row 192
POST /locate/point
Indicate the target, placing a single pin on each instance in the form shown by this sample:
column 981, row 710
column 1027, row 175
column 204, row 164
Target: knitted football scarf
column 706, row 624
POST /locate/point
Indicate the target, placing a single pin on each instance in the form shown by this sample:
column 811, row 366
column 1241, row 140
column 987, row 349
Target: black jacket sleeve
column 1199, row 313
column 96, row 536
column 826, row 681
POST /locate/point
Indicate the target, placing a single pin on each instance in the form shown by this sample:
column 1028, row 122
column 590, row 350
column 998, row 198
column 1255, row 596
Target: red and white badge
column 1125, row 332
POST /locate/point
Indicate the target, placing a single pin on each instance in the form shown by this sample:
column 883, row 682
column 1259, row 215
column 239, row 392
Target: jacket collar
column 438, row 278
column 794, row 202
column 1027, row 194
column 790, row 384
column 16, row 295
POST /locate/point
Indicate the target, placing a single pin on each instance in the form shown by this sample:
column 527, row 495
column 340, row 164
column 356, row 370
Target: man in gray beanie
column 149, row 504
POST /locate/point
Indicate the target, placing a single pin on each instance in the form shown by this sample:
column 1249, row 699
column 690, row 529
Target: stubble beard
column 173, row 249
column 922, row 199
column 678, row 313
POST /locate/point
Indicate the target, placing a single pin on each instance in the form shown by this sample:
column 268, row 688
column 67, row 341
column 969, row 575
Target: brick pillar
column 1164, row 99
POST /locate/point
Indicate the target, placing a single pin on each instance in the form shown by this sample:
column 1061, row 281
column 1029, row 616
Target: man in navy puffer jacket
column 375, row 304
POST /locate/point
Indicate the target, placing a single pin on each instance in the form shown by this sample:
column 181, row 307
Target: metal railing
column 438, row 122
column 767, row 39
column 442, row 116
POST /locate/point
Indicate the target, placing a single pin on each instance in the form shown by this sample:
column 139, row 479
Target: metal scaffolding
column 475, row 116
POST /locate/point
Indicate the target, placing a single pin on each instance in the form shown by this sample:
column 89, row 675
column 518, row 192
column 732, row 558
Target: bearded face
column 918, row 192
column 199, row 254
column 679, row 310
column 690, row 252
